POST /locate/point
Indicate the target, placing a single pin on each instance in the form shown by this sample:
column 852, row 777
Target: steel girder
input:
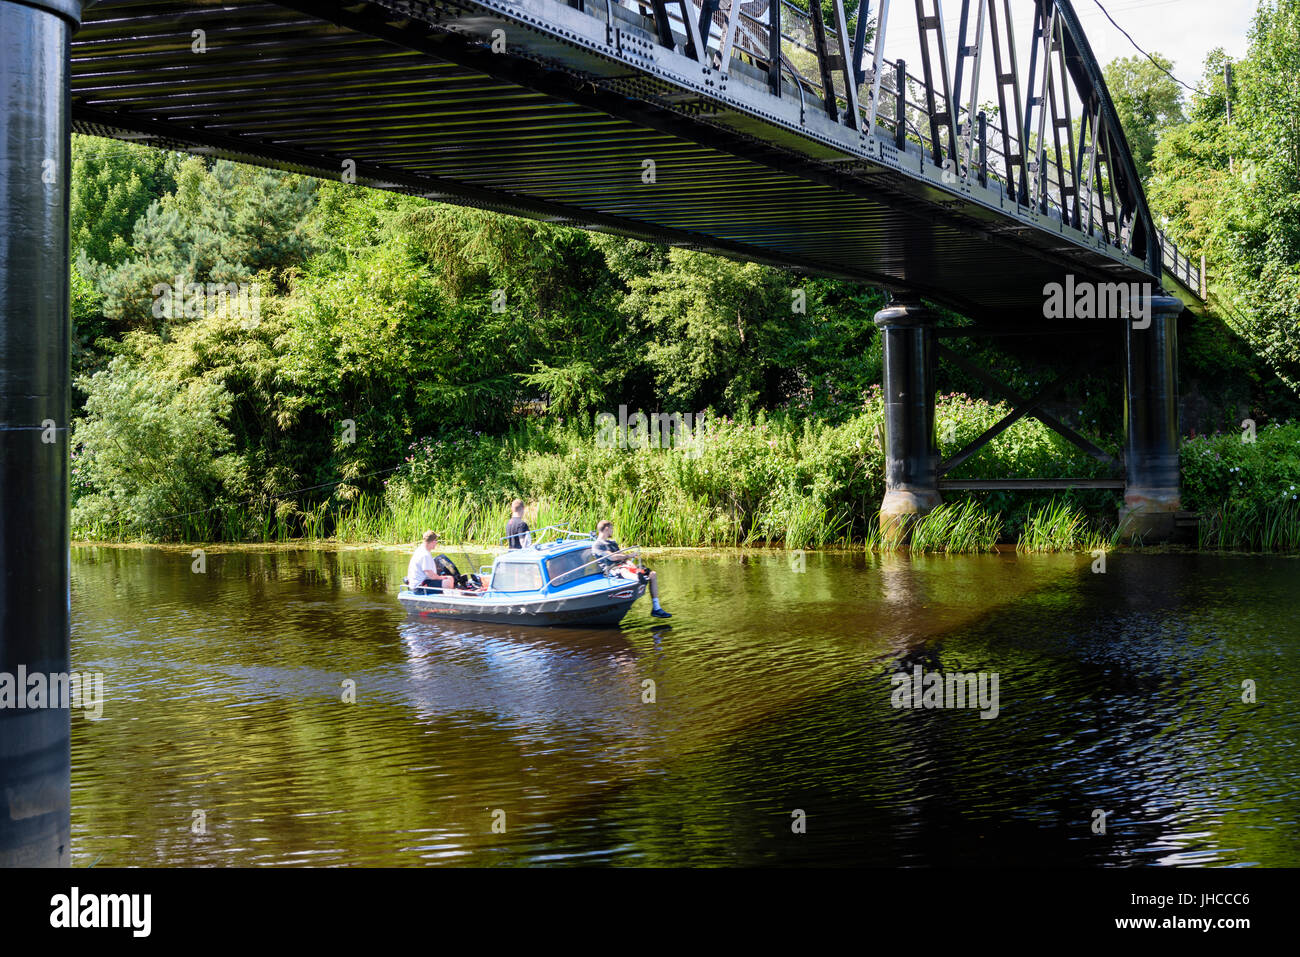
column 768, row 164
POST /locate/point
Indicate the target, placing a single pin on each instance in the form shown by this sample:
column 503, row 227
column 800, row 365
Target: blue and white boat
column 552, row 583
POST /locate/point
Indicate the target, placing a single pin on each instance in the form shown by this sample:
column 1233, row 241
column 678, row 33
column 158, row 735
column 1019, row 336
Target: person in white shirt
column 422, row 567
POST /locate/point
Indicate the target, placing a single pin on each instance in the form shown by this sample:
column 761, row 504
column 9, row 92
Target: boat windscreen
column 571, row 566
column 516, row 576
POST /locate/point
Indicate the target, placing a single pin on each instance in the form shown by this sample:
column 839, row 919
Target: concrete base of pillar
column 1150, row 528
column 901, row 507
column 1150, row 516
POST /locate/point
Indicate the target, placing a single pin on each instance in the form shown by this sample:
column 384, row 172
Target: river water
column 776, row 734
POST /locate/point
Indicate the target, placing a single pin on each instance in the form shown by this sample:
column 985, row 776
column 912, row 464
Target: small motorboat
column 551, row 583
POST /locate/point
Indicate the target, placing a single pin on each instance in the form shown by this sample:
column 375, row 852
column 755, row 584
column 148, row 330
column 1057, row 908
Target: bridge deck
column 559, row 128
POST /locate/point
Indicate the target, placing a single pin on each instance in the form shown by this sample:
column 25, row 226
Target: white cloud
column 1183, row 30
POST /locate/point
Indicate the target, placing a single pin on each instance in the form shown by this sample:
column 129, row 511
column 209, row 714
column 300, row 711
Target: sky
column 1183, row 30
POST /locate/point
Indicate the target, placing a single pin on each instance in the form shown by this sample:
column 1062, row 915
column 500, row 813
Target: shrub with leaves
column 152, row 455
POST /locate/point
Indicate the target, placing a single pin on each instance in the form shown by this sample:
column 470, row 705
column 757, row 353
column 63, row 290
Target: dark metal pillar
column 1152, row 494
column 911, row 452
column 34, row 405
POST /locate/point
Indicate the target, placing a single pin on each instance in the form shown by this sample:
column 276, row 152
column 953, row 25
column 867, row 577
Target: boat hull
column 600, row 609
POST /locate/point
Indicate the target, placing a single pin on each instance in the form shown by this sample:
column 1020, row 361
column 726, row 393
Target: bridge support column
column 911, row 452
column 34, row 408
column 1152, row 495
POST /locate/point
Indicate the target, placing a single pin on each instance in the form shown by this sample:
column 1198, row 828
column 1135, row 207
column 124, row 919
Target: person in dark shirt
column 613, row 562
column 517, row 533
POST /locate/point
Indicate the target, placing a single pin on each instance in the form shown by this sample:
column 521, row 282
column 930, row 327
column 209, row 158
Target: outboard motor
column 446, row 566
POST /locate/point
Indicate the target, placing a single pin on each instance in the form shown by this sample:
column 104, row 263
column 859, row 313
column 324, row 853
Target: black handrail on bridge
column 1089, row 183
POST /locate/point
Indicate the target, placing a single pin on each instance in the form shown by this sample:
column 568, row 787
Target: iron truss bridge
column 752, row 128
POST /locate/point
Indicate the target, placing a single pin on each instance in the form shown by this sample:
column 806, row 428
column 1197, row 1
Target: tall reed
column 1059, row 527
column 956, row 527
column 1249, row 526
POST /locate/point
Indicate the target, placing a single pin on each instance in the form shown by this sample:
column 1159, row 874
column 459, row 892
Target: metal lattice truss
column 781, row 135
column 1082, row 171
column 1076, row 163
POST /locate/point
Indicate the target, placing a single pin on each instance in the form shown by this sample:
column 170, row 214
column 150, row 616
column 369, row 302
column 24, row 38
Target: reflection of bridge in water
column 751, row 129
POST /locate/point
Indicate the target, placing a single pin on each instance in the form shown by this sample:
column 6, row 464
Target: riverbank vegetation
column 1247, row 493
column 263, row 357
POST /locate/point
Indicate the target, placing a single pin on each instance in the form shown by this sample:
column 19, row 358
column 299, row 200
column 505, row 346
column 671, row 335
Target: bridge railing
column 751, row 40
column 800, row 58
column 1082, row 192
column 1188, row 271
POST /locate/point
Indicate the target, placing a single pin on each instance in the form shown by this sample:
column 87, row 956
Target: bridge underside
column 429, row 111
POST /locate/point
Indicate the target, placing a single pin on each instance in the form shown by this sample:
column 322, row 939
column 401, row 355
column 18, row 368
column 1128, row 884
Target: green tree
column 113, row 183
column 1189, row 169
column 1257, row 242
column 1148, row 100
column 1231, row 191
column 151, row 454
column 714, row 331
column 223, row 224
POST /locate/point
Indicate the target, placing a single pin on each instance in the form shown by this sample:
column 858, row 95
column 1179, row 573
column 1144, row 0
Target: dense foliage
column 1230, row 189
column 1148, row 101
column 259, row 353
column 1238, row 468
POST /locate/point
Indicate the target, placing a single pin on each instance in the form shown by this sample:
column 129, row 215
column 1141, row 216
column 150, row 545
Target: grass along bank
column 775, row 481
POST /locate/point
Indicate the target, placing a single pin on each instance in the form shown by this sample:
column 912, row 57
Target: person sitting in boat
column 517, row 533
column 613, row 562
column 422, row 571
